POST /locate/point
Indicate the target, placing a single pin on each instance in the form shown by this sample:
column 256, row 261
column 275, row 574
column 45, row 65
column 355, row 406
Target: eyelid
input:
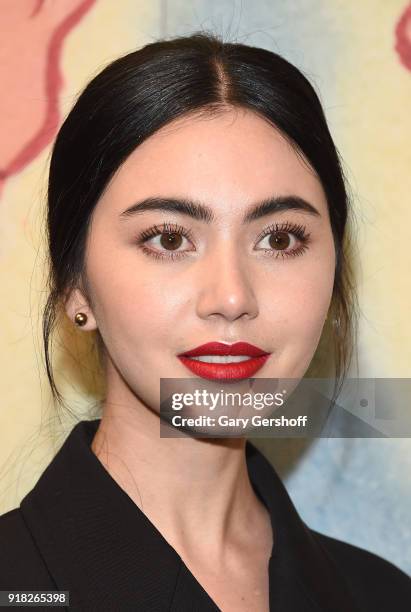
column 164, row 228
column 288, row 227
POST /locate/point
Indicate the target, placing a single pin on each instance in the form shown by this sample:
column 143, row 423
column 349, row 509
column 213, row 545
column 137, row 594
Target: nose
column 225, row 287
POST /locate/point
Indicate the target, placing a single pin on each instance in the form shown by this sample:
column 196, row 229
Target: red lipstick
column 234, row 369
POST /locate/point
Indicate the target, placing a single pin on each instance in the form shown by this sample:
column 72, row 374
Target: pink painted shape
column 403, row 37
column 32, row 35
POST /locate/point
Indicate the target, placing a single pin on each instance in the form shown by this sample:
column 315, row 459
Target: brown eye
column 171, row 241
column 284, row 240
column 279, row 240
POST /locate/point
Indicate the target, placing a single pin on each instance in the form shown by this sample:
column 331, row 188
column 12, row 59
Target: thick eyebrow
column 201, row 212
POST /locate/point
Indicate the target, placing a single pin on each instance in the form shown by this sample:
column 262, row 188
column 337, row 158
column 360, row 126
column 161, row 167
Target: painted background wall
column 358, row 56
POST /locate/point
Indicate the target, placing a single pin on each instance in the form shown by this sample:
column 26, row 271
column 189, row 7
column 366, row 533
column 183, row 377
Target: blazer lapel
column 189, row 591
column 95, row 541
column 302, row 575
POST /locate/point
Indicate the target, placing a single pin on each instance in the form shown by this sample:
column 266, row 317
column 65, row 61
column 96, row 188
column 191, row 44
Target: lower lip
column 221, row 371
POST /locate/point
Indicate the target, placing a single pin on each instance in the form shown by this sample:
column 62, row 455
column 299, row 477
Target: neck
column 196, row 491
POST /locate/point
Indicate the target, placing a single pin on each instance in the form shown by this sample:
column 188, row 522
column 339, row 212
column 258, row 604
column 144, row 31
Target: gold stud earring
column 80, row 319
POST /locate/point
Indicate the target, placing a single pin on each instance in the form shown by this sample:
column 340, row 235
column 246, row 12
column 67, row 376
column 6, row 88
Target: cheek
column 138, row 310
column 299, row 300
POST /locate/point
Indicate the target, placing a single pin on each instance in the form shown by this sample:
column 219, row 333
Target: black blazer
column 78, row 531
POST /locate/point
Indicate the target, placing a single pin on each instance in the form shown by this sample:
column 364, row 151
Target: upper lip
column 217, row 348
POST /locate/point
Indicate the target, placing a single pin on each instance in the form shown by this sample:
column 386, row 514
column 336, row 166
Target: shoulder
column 372, row 579
column 21, row 564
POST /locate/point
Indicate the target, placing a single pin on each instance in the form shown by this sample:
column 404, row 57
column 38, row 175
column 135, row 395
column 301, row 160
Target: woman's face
column 225, row 279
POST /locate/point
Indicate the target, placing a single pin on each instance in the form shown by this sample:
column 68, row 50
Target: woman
column 195, row 196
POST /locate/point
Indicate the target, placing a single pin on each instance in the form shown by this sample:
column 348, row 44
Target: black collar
column 102, row 548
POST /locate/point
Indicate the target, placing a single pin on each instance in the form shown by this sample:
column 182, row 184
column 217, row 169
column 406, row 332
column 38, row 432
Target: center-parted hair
column 136, row 95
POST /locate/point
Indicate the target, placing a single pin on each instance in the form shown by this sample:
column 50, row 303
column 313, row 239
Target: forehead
column 232, row 158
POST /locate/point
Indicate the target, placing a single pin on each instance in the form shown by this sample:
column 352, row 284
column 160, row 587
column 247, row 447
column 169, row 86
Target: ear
column 74, row 302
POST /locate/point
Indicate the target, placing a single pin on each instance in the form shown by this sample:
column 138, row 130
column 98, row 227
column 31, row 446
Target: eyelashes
column 166, row 229
column 173, row 230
